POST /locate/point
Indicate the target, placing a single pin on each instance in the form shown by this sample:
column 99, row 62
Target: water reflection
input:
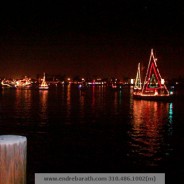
column 120, row 97
column 130, row 133
column 23, row 103
column 170, row 113
column 23, row 98
column 68, row 103
column 43, row 95
column 149, row 129
column 93, row 97
column 100, row 104
column 170, row 119
column 82, row 105
column 116, row 103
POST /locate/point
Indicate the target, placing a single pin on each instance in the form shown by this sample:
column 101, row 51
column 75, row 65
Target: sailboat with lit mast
column 154, row 87
column 138, row 83
column 44, row 85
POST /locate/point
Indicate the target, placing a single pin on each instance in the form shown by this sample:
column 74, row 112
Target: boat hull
column 153, row 97
column 43, row 88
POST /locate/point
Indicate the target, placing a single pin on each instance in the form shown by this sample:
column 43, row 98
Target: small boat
column 44, row 85
column 25, row 83
column 154, row 87
column 8, row 84
column 138, row 83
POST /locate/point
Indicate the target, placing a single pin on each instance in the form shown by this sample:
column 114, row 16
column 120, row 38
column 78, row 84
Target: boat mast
column 44, row 77
column 138, row 84
column 43, row 80
column 145, row 81
column 153, row 66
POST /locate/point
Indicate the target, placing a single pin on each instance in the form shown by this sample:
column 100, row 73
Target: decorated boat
column 44, row 85
column 154, row 87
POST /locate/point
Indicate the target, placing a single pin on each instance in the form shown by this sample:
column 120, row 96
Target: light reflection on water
column 43, row 106
column 23, row 105
column 68, row 102
column 147, row 118
column 150, row 124
column 171, row 113
column 118, row 128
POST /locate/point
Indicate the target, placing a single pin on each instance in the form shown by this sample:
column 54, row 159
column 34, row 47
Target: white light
column 156, row 93
column 162, row 81
column 131, row 81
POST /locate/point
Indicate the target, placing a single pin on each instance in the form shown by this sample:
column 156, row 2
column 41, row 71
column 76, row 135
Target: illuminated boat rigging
column 44, row 85
column 153, row 87
column 138, row 83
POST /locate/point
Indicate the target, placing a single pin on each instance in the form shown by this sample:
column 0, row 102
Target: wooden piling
column 13, row 158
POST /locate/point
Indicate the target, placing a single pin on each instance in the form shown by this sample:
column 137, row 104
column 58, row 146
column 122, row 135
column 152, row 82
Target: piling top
column 12, row 139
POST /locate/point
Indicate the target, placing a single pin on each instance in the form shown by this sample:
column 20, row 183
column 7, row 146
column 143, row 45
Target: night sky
column 86, row 38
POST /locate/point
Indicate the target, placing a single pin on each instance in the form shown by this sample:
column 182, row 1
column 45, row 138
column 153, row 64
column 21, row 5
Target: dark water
column 95, row 131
